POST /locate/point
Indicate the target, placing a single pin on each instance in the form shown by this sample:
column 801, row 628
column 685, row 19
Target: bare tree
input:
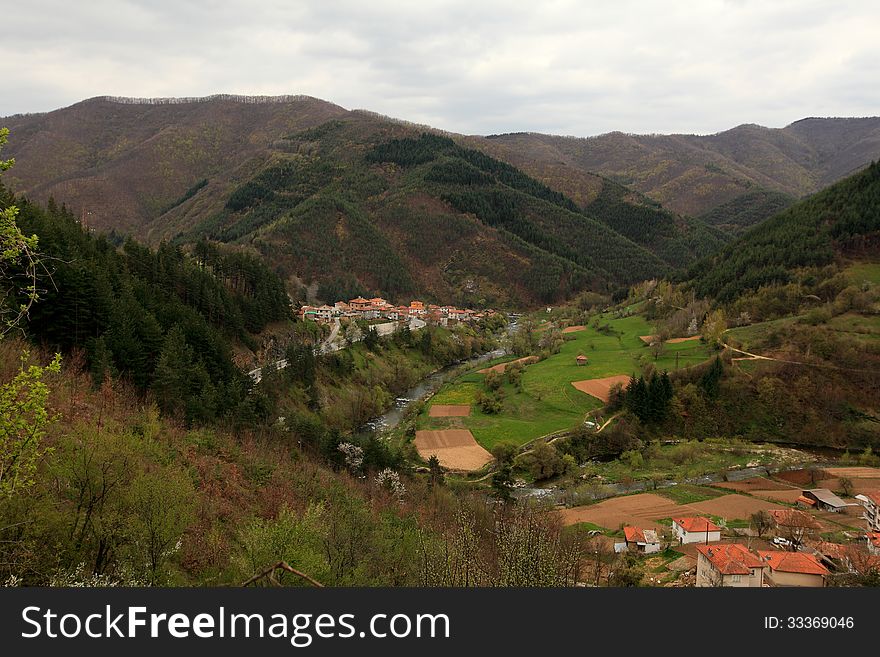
column 762, row 522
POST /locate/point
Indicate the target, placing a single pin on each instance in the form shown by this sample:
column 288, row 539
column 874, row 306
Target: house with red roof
column 360, row 304
column 729, row 564
column 793, row 569
column 695, row 530
column 644, row 541
column 873, row 542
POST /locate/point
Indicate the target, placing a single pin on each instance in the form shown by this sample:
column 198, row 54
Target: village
column 781, row 547
column 380, row 309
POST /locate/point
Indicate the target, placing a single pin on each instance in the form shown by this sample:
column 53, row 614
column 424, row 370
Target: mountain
column 123, row 162
column 842, row 220
column 334, row 197
column 694, row 175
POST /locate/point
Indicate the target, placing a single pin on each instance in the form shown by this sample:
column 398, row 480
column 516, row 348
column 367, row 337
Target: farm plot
column 503, row 366
column 574, row 329
column 449, row 410
column 755, row 485
column 601, row 388
column 456, row 449
column 789, row 496
column 854, row 472
column 637, row 510
column 648, row 339
column 733, row 506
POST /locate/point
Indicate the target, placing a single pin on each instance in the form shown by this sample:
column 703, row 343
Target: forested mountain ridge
column 695, row 174
column 303, row 187
column 424, row 202
column 843, row 219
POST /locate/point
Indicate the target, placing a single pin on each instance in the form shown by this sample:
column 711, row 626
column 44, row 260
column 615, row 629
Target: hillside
column 841, row 220
column 693, row 175
column 299, row 179
column 122, row 163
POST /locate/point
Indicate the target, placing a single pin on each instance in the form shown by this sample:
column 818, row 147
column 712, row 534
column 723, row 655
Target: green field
column 863, row 272
column 548, row 402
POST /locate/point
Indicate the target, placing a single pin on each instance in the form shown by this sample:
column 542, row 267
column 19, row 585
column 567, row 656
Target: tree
column 795, row 526
column 502, row 483
column 710, row 382
column 23, row 422
column 762, row 522
column 714, row 327
column 504, row 452
column 627, row 572
column 846, row 486
column 23, row 414
column 18, row 261
column 436, row 477
column 543, row 461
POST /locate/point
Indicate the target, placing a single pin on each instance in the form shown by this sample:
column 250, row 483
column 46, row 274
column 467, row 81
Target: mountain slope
column 122, row 162
column 692, row 174
column 300, row 180
column 842, row 219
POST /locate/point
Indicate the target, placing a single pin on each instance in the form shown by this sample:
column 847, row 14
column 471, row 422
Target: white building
column 642, row 540
column 695, row 530
column 871, row 502
column 729, row 564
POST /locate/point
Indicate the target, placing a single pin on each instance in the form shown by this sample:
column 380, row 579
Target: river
column 429, row 385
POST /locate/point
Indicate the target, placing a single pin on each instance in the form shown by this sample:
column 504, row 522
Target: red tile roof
column 697, row 524
column 793, row 518
column 830, row 550
column 730, row 558
column 806, row 500
column 873, row 495
column 793, row 562
column 634, row 535
column 874, row 538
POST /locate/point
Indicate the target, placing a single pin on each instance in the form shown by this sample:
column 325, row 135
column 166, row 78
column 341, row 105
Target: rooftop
column 731, row 558
column 826, row 497
column 696, row 524
column 637, row 535
column 793, row 518
column 793, row 562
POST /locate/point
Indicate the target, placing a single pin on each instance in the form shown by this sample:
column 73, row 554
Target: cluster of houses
column 378, row 308
column 808, row 562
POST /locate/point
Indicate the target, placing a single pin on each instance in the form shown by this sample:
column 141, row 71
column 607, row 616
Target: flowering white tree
column 354, row 456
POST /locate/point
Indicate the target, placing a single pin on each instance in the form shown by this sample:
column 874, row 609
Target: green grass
column 687, row 460
column 865, row 326
column 687, row 494
column 756, row 333
column 864, row 272
column 547, row 402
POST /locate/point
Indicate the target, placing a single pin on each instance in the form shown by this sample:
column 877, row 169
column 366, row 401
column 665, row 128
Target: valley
column 292, row 332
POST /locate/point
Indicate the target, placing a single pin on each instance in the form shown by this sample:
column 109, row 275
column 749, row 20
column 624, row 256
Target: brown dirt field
column 733, row 506
column 449, row 410
column 799, row 477
column 600, row 388
column 455, row 448
column 503, row 366
column 854, row 472
column 753, row 484
column 647, row 339
column 790, row 495
column 636, row 510
column 574, row 329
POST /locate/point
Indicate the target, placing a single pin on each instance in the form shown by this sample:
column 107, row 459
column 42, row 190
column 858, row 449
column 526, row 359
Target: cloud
column 475, row 67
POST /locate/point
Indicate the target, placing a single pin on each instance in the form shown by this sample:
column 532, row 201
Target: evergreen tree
column 710, row 382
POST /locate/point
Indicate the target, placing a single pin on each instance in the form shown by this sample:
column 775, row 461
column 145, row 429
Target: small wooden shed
column 582, row 360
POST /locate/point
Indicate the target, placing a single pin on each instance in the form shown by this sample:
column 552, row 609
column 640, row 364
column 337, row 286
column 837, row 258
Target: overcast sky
column 471, row 66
